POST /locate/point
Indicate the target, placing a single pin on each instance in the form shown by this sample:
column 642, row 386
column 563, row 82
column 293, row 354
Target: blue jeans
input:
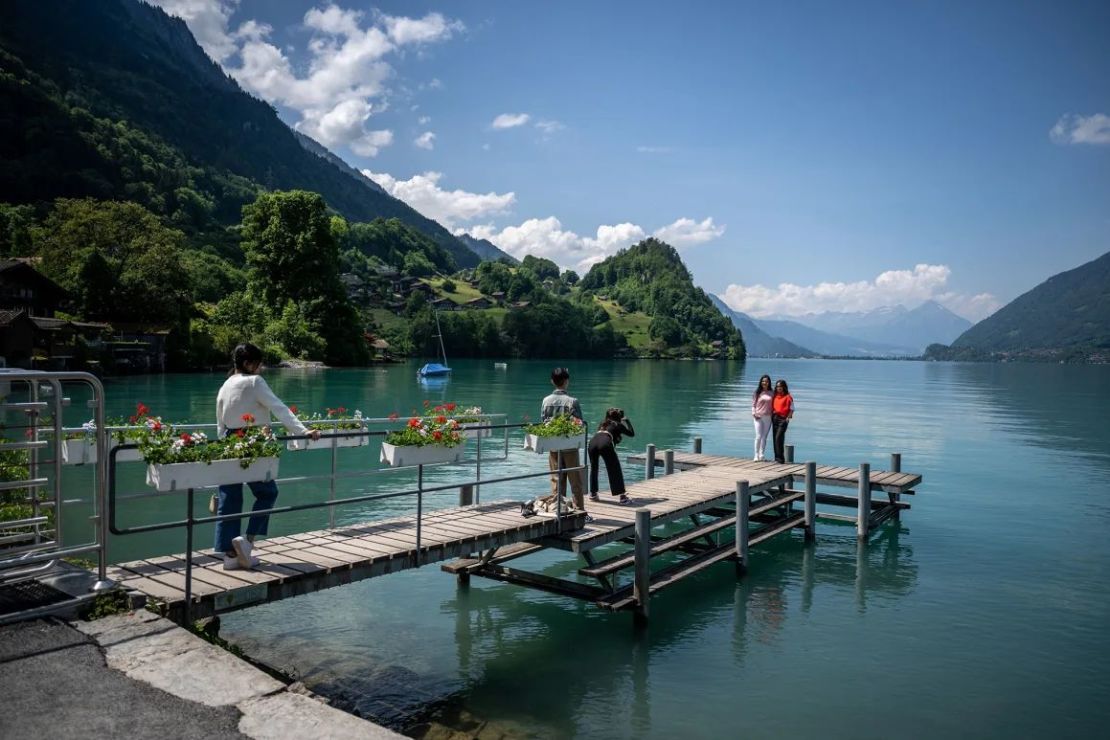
column 231, row 502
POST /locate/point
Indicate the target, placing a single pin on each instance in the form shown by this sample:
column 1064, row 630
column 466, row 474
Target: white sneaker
column 243, row 549
column 231, row 562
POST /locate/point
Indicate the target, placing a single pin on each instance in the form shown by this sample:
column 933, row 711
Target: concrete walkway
column 138, row 675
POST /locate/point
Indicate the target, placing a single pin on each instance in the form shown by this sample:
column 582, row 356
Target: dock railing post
column 789, row 456
column 743, row 501
column 419, row 508
column 697, row 445
column 649, row 462
column 642, row 584
column 863, row 512
column 811, row 500
column 896, row 467
column 189, row 558
column 668, row 462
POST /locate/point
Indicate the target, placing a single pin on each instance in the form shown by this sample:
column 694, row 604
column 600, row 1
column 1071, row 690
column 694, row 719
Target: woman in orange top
column 782, row 411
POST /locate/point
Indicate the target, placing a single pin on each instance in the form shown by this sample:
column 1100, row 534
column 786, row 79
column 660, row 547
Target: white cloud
column 546, row 237
column 686, row 232
column 908, row 287
column 426, row 140
column 549, row 127
column 207, row 19
column 449, row 207
column 371, row 142
column 510, row 120
column 1076, row 129
column 424, row 120
column 345, row 79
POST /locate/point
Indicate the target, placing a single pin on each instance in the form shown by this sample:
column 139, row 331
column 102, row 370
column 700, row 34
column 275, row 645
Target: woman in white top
column 761, row 414
column 246, row 395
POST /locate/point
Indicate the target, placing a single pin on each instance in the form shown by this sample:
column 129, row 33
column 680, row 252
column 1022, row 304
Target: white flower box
column 179, row 476
column 82, row 451
column 469, row 431
column 402, row 456
column 541, row 445
column 328, row 437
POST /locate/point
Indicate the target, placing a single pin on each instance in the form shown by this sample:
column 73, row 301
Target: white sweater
column 249, row 394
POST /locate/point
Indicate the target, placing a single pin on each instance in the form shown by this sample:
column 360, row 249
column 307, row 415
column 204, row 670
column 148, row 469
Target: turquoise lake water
column 984, row 613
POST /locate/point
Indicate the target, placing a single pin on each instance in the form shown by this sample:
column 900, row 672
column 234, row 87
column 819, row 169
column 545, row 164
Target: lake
column 985, row 612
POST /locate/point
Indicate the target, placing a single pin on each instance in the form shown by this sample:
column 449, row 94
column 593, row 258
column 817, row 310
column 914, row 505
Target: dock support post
column 649, row 462
column 896, row 467
column 642, row 584
column 697, row 445
column 743, row 502
column 811, row 501
column 466, row 495
column 668, row 462
column 863, row 510
column 789, row 456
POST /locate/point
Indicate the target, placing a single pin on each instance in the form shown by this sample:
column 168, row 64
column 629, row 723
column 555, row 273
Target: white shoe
column 231, row 562
column 243, row 549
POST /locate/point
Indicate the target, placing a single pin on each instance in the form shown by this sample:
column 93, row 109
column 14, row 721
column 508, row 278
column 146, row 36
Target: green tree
column 290, row 249
column 117, row 259
column 542, row 268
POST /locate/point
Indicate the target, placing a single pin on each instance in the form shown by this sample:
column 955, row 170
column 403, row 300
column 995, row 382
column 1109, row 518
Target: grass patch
column 633, row 325
column 106, row 604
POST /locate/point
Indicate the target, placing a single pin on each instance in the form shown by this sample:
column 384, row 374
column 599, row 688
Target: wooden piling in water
column 668, row 462
column 642, row 584
column 811, row 500
column 697, row 445
column 896, row 467
column 789, row 456
column 743, row 501
column 466, row 495
column 649, row 462
column 863, row 509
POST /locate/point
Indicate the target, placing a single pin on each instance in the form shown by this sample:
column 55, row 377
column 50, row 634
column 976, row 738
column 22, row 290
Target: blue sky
column 802, row 156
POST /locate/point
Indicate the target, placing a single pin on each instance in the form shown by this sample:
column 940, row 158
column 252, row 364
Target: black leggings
column 602, row 446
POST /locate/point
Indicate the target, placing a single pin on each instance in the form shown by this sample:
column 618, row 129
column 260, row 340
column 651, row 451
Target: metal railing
column 190, row 522
column 31, row 545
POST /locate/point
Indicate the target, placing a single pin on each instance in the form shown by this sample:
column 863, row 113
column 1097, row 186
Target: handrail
column 43, row 549
column 190, row 522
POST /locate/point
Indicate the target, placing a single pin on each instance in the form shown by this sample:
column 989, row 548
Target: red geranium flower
column 294, row 409
column 157, row 426
column 132, row 419
column 141, row 409
column 441, row 419
column 437, row 435
column 342, row 410
column 450, row 407
column 186, row 439
column 248, row 418
column 414, row 423
column 240, row 433
column 438, row 408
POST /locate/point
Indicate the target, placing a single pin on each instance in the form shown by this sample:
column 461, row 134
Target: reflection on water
column 983, row 613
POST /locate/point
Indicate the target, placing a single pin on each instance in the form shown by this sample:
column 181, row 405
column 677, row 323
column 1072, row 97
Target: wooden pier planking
column 833, row 475
column 301, row 563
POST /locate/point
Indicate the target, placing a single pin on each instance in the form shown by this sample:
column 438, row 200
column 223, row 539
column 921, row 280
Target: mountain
column 827, row 343
column 115, row 100
column 486, row 249
column 1065, row 317
column 650, row 278
column 324, row 153
column 758, row 342
column 909, row 330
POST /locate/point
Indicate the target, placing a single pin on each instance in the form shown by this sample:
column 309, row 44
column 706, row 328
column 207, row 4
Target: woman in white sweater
column 245, row 395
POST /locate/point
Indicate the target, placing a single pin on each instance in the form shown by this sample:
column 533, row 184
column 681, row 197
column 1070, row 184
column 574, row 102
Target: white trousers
column 762, row 431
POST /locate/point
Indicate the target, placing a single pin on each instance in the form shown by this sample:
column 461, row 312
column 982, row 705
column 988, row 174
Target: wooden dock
column 303, row 563
column 710, row 510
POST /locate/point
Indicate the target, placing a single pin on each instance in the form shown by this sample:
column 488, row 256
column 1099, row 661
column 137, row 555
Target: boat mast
column 439, row 333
